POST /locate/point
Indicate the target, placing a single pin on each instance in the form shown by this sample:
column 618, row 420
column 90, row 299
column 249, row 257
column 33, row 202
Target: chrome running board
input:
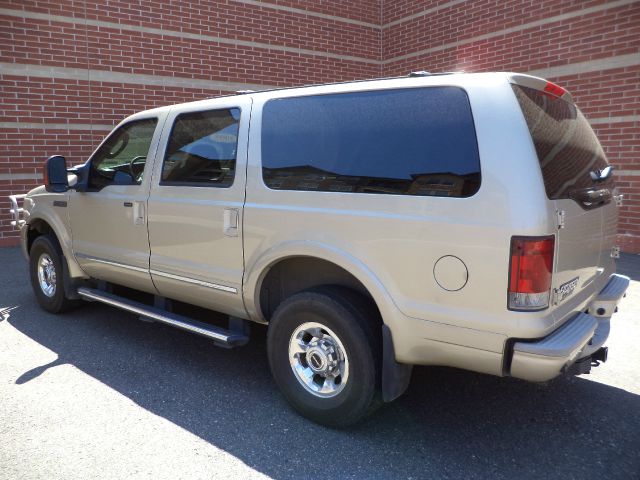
column 222, row 337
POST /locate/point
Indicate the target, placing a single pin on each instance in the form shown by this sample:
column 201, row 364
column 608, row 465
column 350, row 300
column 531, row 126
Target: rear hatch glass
column 578, row 180
column 571, row 158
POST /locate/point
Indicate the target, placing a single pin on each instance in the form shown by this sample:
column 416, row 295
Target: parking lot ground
column 95, row 393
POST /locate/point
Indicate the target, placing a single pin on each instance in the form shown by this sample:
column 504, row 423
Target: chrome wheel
column 47, row 275
column 318, row 360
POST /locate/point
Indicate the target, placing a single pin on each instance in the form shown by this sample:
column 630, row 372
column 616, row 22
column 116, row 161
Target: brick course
column 77, row 67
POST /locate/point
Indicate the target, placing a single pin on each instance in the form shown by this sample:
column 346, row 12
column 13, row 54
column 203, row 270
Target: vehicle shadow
column 449, row 423
column 629, row 265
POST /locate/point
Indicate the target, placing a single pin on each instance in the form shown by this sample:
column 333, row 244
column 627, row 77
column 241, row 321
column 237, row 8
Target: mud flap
column 70, row 287
column 395, row 376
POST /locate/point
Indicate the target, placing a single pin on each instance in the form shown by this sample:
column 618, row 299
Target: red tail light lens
column 530, row 272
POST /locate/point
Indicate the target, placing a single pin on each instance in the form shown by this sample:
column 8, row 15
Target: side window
column 418, row 141
column 121, row 159
column 202, row 149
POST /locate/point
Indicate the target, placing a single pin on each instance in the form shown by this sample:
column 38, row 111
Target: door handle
column 230, row 227
column 138, row 213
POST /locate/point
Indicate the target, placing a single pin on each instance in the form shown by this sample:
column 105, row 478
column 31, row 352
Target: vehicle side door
column 196, row 202
column 108, row 220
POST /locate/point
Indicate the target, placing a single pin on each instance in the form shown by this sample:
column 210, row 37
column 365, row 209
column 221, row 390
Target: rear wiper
column 601, row 175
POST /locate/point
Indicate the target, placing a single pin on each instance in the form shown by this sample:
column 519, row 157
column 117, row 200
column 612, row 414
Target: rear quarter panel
column 400, row 238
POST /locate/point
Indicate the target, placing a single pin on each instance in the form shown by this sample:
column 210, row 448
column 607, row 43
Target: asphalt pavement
column 96, row 393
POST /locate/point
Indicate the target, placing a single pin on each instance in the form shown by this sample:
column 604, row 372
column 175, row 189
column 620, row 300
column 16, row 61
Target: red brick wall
column 70, row 69
column 590, row 47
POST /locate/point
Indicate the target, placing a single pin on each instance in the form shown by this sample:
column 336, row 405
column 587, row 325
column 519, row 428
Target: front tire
column 324, row 350
column 47, row 275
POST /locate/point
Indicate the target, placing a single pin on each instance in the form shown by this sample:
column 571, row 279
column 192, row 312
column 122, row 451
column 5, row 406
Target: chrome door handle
column 230, row 227
column 138, row 213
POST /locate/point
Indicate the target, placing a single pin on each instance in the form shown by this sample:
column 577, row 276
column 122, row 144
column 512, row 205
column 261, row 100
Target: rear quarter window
column 418, row 141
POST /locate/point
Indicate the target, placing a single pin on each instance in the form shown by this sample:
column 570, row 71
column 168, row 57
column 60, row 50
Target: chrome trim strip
column 193, row 281
column 201, row 283
column 113, row 264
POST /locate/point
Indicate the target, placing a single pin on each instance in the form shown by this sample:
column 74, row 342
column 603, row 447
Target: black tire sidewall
column 354, row 400
column 45, row 244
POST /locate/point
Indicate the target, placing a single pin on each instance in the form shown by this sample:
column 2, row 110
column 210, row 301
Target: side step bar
column 222, row 337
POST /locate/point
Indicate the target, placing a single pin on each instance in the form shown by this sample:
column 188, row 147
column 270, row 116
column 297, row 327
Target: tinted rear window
column 409, row 142
column 567, row 148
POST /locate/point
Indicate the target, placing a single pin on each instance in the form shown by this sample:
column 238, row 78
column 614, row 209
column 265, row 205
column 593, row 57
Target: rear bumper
column 577, row 338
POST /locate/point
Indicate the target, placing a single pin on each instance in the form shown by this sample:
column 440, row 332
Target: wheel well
column 296, row 274
column 36, row 229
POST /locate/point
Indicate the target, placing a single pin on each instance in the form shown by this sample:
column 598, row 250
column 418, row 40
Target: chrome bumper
column 18, row 220
column 578, row 338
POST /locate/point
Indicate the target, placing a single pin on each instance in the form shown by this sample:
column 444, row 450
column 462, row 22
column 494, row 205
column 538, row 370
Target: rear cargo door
column 578, row 179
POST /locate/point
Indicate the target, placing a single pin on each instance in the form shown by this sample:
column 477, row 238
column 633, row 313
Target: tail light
column 530, row 272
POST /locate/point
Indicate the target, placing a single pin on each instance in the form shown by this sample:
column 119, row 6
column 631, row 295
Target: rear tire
column 47, row 275
column 325, row 353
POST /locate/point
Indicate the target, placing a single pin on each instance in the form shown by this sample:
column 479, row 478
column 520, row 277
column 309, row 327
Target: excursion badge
column 564, row 290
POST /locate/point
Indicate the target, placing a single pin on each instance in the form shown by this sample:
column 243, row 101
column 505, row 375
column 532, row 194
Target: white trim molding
column 20, row 176
column 310, row 13
column 423, row 13
column 25, row 14
column 608, row 63
column 28, row 70
column 609, row 120
column 516, row 28
column 55, row 126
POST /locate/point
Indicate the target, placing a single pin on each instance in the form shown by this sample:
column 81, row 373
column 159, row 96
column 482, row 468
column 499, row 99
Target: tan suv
column 465, row 220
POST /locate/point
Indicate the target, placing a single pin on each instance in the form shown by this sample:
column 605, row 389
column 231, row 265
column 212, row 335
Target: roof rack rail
column 424, row 73
column 244, row 92
column 419, row 73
